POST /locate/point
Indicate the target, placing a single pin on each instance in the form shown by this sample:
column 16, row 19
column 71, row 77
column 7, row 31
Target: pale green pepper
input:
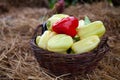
column 42, row 43
column 94, row 28
column 86, row 44
column 60, row 43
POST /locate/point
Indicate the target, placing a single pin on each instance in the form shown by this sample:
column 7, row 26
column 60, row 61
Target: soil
column 18, row 24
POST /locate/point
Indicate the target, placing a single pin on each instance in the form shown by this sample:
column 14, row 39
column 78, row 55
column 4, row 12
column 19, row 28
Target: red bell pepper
column 66, row 25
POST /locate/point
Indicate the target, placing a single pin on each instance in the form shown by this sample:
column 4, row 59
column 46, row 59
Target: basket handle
column 43, row 26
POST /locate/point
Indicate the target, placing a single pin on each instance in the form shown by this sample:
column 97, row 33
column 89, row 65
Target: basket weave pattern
column 59, row 64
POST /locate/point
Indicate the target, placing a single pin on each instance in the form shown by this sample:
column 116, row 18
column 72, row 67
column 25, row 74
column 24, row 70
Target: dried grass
column 18, row 62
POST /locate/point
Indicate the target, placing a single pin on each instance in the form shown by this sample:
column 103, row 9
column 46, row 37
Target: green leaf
column 52, row 3
column 76, row 38
column 48, row 24
column 87, row 20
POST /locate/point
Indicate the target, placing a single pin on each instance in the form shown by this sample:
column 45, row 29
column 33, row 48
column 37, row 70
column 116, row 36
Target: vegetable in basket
column 66, row 34
column 86, row 44
column 94, row 28
column 43, row 40
column 67, row 26
column 54, row 19
column 60, row 43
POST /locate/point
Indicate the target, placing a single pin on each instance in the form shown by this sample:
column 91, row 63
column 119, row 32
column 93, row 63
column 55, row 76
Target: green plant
column 51, row 3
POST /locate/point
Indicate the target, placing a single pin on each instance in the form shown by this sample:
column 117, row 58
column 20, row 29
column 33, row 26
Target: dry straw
column 16, row 28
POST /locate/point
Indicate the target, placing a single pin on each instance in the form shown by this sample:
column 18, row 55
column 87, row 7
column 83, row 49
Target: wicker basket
column 74, row 64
